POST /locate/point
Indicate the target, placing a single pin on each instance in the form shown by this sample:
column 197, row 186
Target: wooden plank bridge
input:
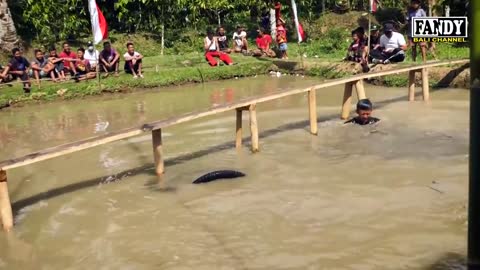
column 244, row 105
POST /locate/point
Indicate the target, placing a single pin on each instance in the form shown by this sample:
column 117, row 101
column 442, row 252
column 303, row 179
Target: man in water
column 364, row 111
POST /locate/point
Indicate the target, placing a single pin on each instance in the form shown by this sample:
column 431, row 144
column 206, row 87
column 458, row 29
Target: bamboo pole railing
column 249, row 105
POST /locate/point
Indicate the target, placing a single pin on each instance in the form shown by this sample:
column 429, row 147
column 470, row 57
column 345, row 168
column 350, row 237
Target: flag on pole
column 374, row 5
column 99, row 24
column 298, row 26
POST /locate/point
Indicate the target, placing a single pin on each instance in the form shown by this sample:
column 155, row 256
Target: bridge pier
column 5, row 205
column 158, row 152
column 425, row 85
column 347, row 96
column 411, row 85
column 312, row 109
column 254, row 128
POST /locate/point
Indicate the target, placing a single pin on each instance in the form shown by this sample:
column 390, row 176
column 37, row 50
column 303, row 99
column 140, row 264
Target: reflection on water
column 385, row 197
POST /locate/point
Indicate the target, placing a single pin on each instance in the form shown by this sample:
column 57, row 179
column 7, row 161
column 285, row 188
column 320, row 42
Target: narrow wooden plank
column 254, row 128
column 158, row 151
column 238, row 134
column 312, row 110
column 360, row 90
column 425, row 85
column 347, row 100
column 5, row 205
column 411, row 85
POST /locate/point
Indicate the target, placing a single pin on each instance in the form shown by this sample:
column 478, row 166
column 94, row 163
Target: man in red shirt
column 263, row 44
column 69, row 58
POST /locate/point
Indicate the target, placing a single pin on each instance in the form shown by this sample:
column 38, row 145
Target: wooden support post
column 360, row 90
column 5, row 205
column 158, row 152
column 425, row 86
column 347, row 100
column 238, row 137
column 411, row 85
column 254, row 128
column 312, row 109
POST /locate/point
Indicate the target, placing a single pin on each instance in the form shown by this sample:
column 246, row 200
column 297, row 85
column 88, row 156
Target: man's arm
column 140, row 56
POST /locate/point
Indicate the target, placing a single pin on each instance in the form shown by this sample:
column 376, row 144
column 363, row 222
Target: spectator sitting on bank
column 356, row 50
column 240, row 43
column 42, row 67
column 415, row 11
column 392, row 47
column 69, row 59
column 263, row 44
column 83, row 67
column 212, row 50
column 92, row 55
column 133, row 61
column 109, row 60
column 6, row 78
column 222, row 40
column 54, row 59
column 18, row 69
column 374, row 38
column 282, row 39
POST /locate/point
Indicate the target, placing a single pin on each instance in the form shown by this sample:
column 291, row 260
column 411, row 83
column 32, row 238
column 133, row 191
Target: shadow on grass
column 148, row 169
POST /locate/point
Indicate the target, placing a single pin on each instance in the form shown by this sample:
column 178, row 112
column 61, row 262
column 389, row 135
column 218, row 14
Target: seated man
column 92, row 56
column 212, row 50
column 222, row 40
column 240, row 43
column 83, row 67
column 18, row 69
column 54, row 59
column 69, row 59
column 109, row 60
column 42, row 67
column 392, row 47
column 6, row 78
column 263, row 44
column 364, row 111
column 133, row 61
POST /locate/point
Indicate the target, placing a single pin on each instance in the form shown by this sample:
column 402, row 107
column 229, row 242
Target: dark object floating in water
column 216, row 175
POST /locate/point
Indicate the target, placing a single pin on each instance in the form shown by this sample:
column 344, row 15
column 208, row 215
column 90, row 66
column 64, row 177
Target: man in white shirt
column 240, row 43
column 392, row 47
column 92, row 56
column 133, row 61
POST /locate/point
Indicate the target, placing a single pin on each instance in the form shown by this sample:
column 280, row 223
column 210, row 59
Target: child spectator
column 92, row 56
column 133, row 61
column 54, row 59
column 223, row 41
column 357, row 50
column 69, row 59
column 263, row 44
column 42, row 67
column 364, row 111
column 240, row 43
column 415, row 11
column 83, row 67
column 109, row 59
column 282, row 39
column 18, row 68
column 212, row 50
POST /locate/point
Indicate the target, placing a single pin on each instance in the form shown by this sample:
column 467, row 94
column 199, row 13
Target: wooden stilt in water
column 347, row 100
column 411, row 85
column 360, row 90
column 5, row 205
column 238, row 136
column 425, row 86
column 312, row 109
column 158, row 152
column 254, row 128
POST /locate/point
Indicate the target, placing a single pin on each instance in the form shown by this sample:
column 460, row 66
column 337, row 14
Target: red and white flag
column 99, row 24
column 298, row 26
column 374, row 5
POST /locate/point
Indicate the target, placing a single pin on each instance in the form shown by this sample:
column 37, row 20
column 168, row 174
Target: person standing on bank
column 392, row 47
column 415, row 11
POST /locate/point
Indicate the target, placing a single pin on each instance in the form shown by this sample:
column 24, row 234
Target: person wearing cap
column 263, row 44
column 415, row 11
column 392, row 47
column 364, row 114
column 212, row 50
column 240, row 43
column 282, row 38
column 374, row 37
column 92, row 56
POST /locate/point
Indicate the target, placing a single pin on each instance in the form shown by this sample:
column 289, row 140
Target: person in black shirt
column 364, row 111
column 18, row 68
column 223, row 41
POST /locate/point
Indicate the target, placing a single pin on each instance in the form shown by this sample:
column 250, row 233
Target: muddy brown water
column 386, row 197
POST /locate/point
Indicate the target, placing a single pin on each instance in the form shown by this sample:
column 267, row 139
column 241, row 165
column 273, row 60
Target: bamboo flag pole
column 474, row 166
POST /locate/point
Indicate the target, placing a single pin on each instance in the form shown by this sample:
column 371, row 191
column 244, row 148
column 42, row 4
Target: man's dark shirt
column 357, row 121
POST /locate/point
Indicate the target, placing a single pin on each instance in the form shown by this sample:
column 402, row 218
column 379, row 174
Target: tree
column 8, row 33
